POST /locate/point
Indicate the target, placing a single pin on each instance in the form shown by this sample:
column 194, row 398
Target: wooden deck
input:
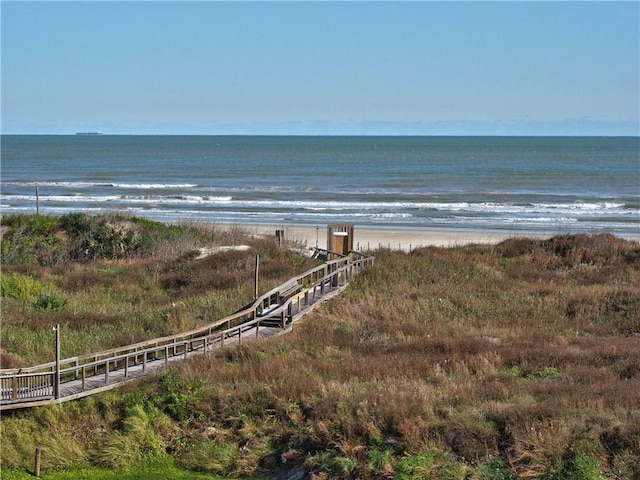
column 274, row 313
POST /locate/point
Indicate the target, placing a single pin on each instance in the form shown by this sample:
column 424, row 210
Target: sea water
column 543, row 185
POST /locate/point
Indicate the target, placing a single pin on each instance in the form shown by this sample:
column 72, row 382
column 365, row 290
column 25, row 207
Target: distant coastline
column 89, row 134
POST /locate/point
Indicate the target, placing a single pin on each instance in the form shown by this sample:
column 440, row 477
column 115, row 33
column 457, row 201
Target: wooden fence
column 76, row 377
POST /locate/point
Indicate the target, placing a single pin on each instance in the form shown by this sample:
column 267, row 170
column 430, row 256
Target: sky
column 321, row 68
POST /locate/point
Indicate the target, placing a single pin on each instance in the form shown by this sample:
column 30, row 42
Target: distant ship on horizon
column 89, row 134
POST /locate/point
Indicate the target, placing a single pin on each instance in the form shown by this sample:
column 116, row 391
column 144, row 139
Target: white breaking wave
column 230, row 209
column 75, row 198
column 78, row 184
column 154, row 186
column 574, row 208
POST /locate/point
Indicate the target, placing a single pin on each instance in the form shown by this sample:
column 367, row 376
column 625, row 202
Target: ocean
column 547, row 185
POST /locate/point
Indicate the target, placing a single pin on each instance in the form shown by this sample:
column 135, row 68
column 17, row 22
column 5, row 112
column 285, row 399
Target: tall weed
column 209, row 456
column 481, row 362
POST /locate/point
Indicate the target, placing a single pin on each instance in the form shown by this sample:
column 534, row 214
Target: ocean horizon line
column 311, row 135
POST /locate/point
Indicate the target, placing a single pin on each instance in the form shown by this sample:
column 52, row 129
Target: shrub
column 548, row 372
column 379, row 459
column 108, row 236
column 577, row 467
column 176, row 394
column 78, row 237
column 334, row 464
column 29, row 290
column 50, row 302
column 493, row 469
column 21, row 287
column 431, row 465
column 31, row 239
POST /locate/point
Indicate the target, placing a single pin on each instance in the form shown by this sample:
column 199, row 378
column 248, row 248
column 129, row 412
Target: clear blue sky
column 321, row 67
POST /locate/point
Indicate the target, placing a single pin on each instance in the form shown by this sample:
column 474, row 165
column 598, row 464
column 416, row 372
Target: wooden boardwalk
column 274, row 313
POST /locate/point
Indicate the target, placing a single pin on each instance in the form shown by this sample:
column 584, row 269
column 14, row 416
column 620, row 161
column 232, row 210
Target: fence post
column 36, row 466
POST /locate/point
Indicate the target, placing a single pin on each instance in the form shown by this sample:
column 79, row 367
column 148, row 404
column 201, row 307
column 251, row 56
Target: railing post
column 14, row 388
column 56, row 377
column 255, row 279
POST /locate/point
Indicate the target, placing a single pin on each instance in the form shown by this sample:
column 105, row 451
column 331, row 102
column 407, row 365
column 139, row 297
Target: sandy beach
column 395, row 239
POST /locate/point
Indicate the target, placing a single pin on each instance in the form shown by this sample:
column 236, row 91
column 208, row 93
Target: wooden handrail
column 37, row 384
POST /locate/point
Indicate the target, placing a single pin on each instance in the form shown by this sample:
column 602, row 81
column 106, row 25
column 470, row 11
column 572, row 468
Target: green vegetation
column 155, row 287
column 160, row 468
column 519, row 360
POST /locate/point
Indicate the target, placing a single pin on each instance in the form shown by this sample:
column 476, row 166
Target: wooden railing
column 41, row 384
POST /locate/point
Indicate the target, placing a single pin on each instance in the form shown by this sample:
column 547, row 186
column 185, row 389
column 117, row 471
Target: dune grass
column 518, row 360
column 152, row 286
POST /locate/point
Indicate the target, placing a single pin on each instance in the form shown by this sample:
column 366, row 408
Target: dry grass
column 520, row 360
column 104, row 303
column 526, row 351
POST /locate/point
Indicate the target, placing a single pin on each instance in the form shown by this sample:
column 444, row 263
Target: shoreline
column 406, row 239
column 369, row 238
